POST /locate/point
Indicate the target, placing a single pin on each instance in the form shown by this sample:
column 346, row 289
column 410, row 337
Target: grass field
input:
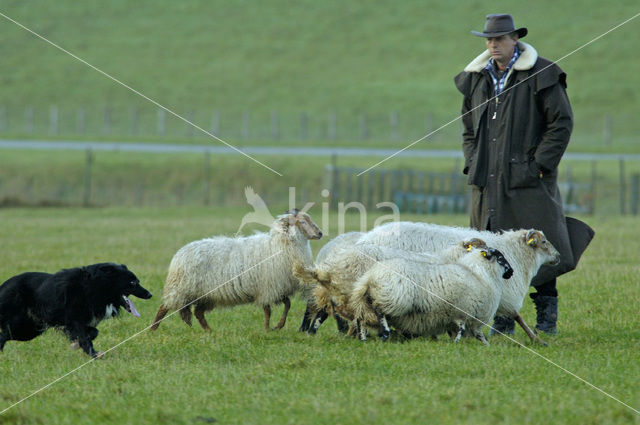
column 238, row 374
column 284, row 57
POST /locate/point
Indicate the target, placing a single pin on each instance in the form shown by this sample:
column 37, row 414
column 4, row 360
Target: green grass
column 204, row 56
column 239, row 374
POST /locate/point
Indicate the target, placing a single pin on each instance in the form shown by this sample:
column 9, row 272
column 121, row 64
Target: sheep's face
column 303, row 222
column 536, row 240
column 474, row 243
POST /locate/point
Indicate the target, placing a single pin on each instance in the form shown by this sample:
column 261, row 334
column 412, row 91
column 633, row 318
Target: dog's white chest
column 110, row 311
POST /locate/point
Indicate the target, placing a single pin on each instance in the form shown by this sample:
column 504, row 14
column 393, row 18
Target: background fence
column 290, row 126
column 197, row 176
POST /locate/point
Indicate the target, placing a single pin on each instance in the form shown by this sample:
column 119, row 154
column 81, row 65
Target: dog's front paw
column 98, row 355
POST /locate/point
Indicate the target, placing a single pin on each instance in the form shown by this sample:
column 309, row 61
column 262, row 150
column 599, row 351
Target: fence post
column 428, row 122
column 53, row 119
column 635, row 191
column 3, row 118
column 207, row 176
column 107, row 120
column 245, row 131
column 304, row 131
column 275, row 125
column 215, row 123
column 607, row 129
column 161, row 127
column 80, row 125
column 594, row 179
column 134, row 120
column 86, row 199
column 623, row 189
column 364, row 131
column 393, row 119
column 29, row 118
column 331, row 126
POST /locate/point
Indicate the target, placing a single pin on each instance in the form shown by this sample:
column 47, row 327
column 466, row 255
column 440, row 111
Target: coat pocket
column 523, row 173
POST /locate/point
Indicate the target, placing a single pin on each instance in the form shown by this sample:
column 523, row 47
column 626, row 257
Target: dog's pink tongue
column 132, row 308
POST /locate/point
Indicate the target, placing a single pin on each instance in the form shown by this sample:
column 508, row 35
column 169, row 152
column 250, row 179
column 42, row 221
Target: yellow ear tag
column 531, row 241
column 484, row 253
column 469, row 247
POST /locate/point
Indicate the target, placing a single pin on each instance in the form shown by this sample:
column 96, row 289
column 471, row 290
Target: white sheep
column 431, row 297
column 525, row 250
column 228, row 271
column 312, row 310
column 333, row 278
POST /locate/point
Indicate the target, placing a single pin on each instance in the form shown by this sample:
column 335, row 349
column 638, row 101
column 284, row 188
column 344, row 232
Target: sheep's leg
column 267, row 317
column 528, row 330
column 479, row 335
column 306, row 319
column 353, row 329
column 458, row 336
column 384, row 326
column 198, row 311
column 317, row 321
column 283, row 319
column 185, row 313
column 362, row 331
column 342, row 324
column 162, row 311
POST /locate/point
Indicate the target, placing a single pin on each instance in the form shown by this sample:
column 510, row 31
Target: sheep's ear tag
column 484, row 253
column 469, row 247
column 531, row 242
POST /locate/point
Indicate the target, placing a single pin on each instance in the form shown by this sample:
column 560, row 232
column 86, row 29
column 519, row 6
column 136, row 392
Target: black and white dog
column 74, row 300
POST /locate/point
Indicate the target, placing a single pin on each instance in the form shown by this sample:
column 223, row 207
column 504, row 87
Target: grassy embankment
column 277, row 57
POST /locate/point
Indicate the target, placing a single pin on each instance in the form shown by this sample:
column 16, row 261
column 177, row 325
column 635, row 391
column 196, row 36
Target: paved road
column 265, row 150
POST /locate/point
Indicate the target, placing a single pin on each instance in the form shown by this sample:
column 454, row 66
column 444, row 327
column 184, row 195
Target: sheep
column 306, row 293
column 525, row 250
column 228, row 271
column 431, row 297
column 333, row 278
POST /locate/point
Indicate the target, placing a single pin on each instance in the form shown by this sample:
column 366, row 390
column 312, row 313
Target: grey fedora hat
column 497, row 25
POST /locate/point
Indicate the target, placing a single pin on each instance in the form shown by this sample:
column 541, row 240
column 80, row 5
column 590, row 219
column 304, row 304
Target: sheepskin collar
column 528, row 58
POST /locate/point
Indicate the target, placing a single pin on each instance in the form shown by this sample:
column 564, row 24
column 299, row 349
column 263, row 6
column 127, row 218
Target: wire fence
column 393, row 126
column 91, row 177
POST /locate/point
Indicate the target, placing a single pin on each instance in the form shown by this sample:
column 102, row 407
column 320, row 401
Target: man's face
column 501, row 48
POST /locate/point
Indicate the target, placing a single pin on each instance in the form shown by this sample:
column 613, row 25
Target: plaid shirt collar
column 499, row 82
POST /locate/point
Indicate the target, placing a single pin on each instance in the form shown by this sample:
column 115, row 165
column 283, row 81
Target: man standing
column 517, row 124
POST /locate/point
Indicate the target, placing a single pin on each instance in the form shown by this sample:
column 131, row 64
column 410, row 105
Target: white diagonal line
column 112, row 78
column 507, row 336
column 134, row 335
column 504, row 91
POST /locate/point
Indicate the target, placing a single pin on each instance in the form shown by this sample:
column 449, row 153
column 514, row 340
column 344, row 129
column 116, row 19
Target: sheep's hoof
column 384, row 336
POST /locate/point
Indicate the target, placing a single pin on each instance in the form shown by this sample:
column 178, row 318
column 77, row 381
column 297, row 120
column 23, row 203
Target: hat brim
column 521, row 33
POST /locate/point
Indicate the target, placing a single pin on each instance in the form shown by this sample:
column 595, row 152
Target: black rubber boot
column 503, row 324
column 547, row 314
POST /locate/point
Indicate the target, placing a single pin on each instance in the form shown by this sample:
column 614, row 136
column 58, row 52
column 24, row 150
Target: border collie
column 73, row 300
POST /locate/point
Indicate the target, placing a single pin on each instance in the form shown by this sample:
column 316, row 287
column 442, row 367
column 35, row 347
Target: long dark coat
column 512, row 147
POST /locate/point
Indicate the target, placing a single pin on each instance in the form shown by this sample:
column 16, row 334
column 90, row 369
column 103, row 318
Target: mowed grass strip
column 239, row 374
